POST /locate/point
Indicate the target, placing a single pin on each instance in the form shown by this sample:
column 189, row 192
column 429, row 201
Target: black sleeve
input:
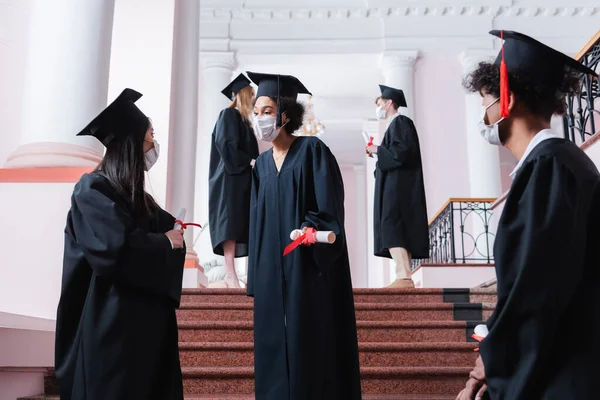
column 115, row 248
column 540, row 264
column 328, row 213
column 227, row 138
column 399, row 149
column 253, row 235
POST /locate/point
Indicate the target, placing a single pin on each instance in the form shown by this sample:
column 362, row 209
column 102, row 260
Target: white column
column 360, row 271
column 484, row 159
column 398, row 68
column 215, row 73
column 378, row 271
column 66, row 82
column 183, row 121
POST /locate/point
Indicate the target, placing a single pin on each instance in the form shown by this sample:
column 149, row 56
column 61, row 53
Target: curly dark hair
column 541, row 97
column 293, row 110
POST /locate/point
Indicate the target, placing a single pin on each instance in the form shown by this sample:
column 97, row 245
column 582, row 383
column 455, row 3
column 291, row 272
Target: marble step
column 375, row 380
column 364, row 312
column 200, row 354
column 368, row 331
column 191, row 296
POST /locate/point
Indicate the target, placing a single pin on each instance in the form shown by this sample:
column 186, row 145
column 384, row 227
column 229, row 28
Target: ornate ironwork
column 461, row 234
column 582, row 119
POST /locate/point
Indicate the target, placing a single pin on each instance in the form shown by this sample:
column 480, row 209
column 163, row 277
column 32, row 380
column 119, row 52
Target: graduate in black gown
column 542, row 341
column 116, row 330
column 305, row 341
column 400, row 227
column 233, row 150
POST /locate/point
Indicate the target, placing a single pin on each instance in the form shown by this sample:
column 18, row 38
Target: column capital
column 469, row 59
column 399, row 59
column 218, row 59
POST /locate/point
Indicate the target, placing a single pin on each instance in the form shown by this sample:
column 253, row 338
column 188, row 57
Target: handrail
column 461, row 200
column 590, row 44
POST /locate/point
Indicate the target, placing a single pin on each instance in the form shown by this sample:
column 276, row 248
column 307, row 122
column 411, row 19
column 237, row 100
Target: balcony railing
column 582, row 119
column 460, row 233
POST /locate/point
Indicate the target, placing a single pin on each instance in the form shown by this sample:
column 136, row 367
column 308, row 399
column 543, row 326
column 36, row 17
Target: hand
column 474, row 389
column 303, row 232
column 252, row 163
column 176, row 238
column 371, row 149
column 479, row 370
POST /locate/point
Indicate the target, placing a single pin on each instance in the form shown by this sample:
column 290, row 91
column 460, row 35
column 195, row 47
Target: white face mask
column 380, row 112
column 490, row 133
column 151, row 156
column 265, row 127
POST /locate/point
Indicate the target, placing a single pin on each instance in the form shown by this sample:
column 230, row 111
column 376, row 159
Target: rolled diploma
column 321, row 236
column 367, row 140
column 180, row 217
column 481, row 330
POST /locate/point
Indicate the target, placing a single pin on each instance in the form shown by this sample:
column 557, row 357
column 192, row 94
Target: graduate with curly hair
column 546, row 250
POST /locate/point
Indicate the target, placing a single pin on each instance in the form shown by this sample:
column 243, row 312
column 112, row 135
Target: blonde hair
column 243, row 101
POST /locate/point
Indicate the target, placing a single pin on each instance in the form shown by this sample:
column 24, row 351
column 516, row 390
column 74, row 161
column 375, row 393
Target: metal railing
column 460, row 233
column 582, row 119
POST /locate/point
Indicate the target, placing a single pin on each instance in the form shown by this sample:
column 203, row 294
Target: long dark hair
column 123, row 165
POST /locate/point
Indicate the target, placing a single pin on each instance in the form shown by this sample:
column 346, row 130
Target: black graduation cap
column 525, row 54
column 235, row 86
column 120, row 118
column 277, row 86
column 396, row 95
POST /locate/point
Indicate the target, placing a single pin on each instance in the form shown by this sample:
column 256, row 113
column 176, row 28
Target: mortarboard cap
column 235, row 86
column 527, row 55
column 396, row 95
column 277, row 86
column 119, row 119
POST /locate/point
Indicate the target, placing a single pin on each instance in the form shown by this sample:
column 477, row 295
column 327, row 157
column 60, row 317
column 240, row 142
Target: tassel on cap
column 504, row 89
column 278, row 123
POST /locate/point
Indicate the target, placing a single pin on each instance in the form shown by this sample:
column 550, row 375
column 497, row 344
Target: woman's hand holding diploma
column 176, row 238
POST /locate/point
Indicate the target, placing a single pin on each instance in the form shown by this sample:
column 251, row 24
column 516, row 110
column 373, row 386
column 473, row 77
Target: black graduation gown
column 116, row 329
column 233, row 147
column 400, row 210
column 542, row 341
column 305, row 341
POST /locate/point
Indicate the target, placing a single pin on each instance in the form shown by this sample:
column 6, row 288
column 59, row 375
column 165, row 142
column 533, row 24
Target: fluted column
column 216, row 70
column 398, row 68
column 484, row 159
column 66, row 83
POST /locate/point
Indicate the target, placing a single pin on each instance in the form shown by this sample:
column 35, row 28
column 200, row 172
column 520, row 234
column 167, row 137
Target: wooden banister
column 593, row 41
column 460, row 200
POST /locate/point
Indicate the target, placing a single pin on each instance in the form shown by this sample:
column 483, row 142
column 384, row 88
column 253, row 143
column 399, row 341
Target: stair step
column 399, row 296
column 200, row 354
column 375, row 380
column 364, row 312
column 251, row 397
column 368, row 331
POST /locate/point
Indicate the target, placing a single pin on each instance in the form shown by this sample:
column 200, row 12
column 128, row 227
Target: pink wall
column 14, row 21
column 440, row 120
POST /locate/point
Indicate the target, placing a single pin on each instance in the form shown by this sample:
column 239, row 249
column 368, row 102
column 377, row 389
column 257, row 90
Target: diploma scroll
column 319, row 236
column 180, row 217
column 369, row 142
column 310, row 236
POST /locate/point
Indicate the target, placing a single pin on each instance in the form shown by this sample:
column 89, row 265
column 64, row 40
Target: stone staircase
column 414, row 343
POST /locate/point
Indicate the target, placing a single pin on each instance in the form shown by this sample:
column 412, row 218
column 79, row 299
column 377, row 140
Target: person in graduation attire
column 542, row 335
column 116, row 330
column 400, row 227
column 305, row 341
column 233, row 149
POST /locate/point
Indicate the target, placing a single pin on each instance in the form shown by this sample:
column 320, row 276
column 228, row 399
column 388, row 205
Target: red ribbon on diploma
column 308, row 237
column 371, row 138
column 478, row 338
column 185, row 225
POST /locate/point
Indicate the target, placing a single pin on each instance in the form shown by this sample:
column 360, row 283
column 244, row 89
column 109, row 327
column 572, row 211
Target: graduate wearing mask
column 542, row 334
column 116, row 329
column 401, row 230
column 305, row 341
column 233, row 149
